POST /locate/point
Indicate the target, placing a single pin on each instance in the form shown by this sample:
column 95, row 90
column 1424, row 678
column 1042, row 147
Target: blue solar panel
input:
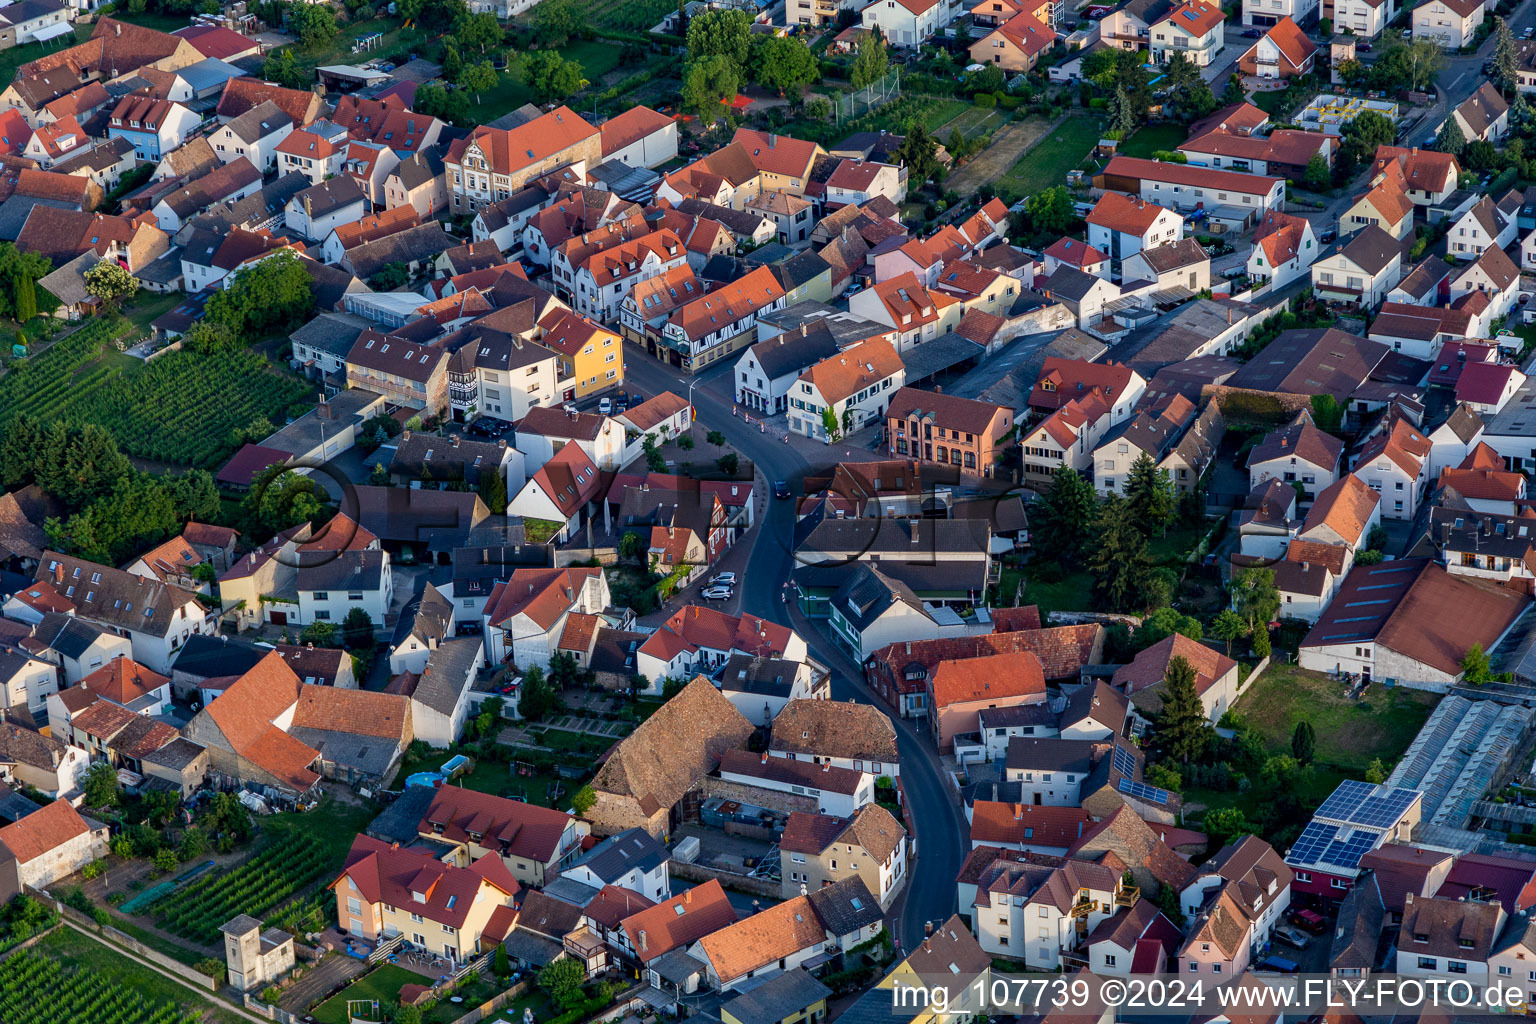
column 1313, row 843
column 1142, row 791
column 1124, row 761
column 1345, row 800
column 1384, row 811
column 1347, row 853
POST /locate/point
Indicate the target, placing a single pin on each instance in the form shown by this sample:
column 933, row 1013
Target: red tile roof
column 992, row 677
column 1150, row 667
column 1125, row 214
column 387, row 874
column 1014, row 824
column 43, row 831
column 679, row 921
column 511, row 827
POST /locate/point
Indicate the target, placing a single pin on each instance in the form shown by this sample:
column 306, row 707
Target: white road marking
column 1458, row 79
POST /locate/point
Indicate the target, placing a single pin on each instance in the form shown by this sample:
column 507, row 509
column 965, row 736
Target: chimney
column 119, row 27
column 688, row 896
column 642, row 940
column 405, row 435
column 1018, row 812
column 308, row 206
column 456, row 440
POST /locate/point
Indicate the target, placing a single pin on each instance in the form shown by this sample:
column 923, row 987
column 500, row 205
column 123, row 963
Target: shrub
column 985, row 100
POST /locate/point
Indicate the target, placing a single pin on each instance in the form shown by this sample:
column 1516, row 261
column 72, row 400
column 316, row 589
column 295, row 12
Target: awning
column 62, row 28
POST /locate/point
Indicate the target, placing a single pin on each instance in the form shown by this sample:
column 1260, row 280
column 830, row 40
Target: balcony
column 1127, row 896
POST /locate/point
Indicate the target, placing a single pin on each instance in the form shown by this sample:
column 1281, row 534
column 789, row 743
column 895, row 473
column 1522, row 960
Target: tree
column 273, row 294
column 1197, row 100
column 493, row 491
column 138, row 511
column 434, row 100
column 314, row 23
column 583, row 800
column 1050, row 210
column 783, row 64
column 563, row 978
column 481, row 77
column 551, row 76
column 1165, row 622
column 1480, row 155
column 1228, row 626
column 1521, row 117
column 319, row 633
column 1064, row 514
column 391, row 277
column 631, row 545
column 1254, row 596
column 1451, row 139
column 279, row 499
column 1318, row 177
column 1118, row 558
column 1150, row 494
column 25, row 301
column 1122, row 114
column 110, row 282
column 1505, row 73
column 709, row 82
column 1376, row 772
column 1164, row 777
column 918, row 153
column 715, row 438
column 409, row 1013
column 1476, row 666
column 282, row 68
column 1168, row 903
column 555, row 22
column 101, row 786
column 1327, row 414
column 1234, row 91
column 1304, row 743
column 1353, row 72
column 357, row 629
column 728, row 463
column 721, row 33
column 480, row 31
column 1182, row 728
column 1226, row 825
column 870, row 63
column 538, row 697
column 1261, row 642
column 1365, row 133
column 1179, row 73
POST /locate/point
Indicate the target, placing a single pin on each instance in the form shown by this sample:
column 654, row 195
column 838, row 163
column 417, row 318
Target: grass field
column 74, row 950
column 382, row 983
column 1152, row 138
column 1071, row 593
column 972, row 122
column 1350, row 734
column 16, row 56
column 1047, row 164
column 939, row 116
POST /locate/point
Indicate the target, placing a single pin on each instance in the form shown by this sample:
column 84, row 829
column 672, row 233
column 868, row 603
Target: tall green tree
column 1234, row 91
column 1179, row 73
column 1064, row 514
column 1254, row 596
column 1318, row 177
column 1365, row 133
column 1304, row 743
column 1118, row 558
column 557, row 22
column 708, row 82
column 918, row 153
column 871, row 62
column 1150, row 494
column 480, row 77
column 1122, row 113
column 279, row 499
column 1505, row 73
column 314, row 23
column 1183, row 731
column 1451, row 139
column 273, row 294
column 1225, row 826
column 783, row 64
column 1476, row 666
column 551, row 76
column 493, row 491
column 721, row 33
column 282, row 68
column 1050, row 210
column 1228, row 626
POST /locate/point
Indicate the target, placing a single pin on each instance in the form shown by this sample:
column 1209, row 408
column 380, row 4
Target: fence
column 493, row 1005
column 129, row 944
column 862, row 101
column 385, row 948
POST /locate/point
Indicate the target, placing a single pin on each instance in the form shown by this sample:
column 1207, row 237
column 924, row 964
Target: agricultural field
column 278, row 872
column 69, row 977
column 972, row 122
column 180, row 408
column 628, row 15
column 1052, row 157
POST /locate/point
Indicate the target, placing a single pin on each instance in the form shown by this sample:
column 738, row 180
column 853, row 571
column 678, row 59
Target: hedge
column 985, row 100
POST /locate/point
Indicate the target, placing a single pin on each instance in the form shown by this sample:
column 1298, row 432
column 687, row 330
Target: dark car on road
column 488, row 426
column 780, row 489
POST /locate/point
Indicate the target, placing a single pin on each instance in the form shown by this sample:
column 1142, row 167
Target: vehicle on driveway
column 1252, row 33
column 716, row 593
column 1293, row 937
column 605, row 406
column 724, row 579
column 1309, row 920
column 488, row 426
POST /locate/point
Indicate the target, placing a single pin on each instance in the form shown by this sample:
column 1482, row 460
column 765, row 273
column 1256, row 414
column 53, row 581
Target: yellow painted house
column 591, row 356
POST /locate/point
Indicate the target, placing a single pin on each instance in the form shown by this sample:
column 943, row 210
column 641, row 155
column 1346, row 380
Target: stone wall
column 772, row 799
column 729, row 879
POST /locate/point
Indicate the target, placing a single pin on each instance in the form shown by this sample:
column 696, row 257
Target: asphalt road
column 940, row 831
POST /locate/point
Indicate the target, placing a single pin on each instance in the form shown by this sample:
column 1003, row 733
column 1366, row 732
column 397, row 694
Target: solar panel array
column 1359, row 803
column 1124, row 761
column 1312, row 843
column 1142, row 791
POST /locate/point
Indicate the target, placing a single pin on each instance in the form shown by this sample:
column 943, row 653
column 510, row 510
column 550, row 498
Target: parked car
column 780, row 489
column 1311, row 920
column 716, row 593
column 1294, row 937
column 605, row 406
column 620, row 402
column 1364, row 47
column 1280, row 964
column 1328, row 236
column 488, row 426
column 1252, row 33
column 1528, row 33
column 724, row 579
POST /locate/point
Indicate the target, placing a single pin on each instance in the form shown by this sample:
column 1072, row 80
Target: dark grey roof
column 450, row 671
column 68, row 635
column 1372, row 249
column 1026, row 752
column 420, row 168
column 437, row 520
column 783, row 995
column 27, row 10
column 400, row 821
column 1006, row 377
column 476, row 570
column 614, row 651
column 204, row 657
column 942, row 353
column 1425, row 277
column 1017, row 715
column 738, row 222
column 676, row 966
column 528, row 948
column 254, row 209
column 430, row 624
column 445, row 458
column 331, row 332
column 796, row 350
column 866, row 594
column 617, row 855
column 15, row 211
column 1069, row 283
column 1358, row 929
column 412, row 244
column 568, row 890
column 330, row 195
column 895, row 538
column 744, row 673
column 875, row 1007
column 364, row 754
column 98, row 158
column 845, row 906
column 175, row 755
column 260, row 121
column 799, row 269
column 344, row 570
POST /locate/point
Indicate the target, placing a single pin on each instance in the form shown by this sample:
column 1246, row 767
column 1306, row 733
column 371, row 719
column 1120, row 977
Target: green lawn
column 1173, row 548
column 75, row 950
column 16, row 56
column 1047, row 164
column 382, row 983
column 561, row 739
column 497, row 778
column 1152, row 138
column 939, row 116
column 147, row 307
column 1071, row 593
column 1350, row 734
